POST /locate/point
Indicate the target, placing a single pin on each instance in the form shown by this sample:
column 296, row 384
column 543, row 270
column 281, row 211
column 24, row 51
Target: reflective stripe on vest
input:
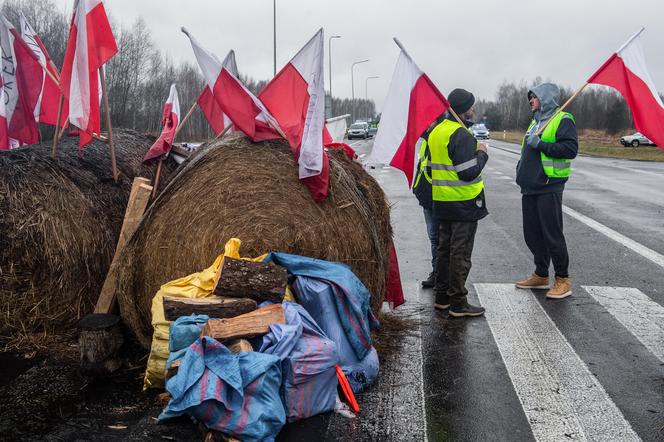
column 554, row 167
column 424, row 162
column 446, row 185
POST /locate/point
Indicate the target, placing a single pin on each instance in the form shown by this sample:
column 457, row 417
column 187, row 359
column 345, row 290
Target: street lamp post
column 366, row 94
column 352, row 88
column 329, row 54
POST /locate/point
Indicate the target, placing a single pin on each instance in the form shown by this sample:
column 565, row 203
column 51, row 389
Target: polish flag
column 243, row 108
column 296, row 99
column 46, row 110
column 20, row 89
column 211, row 109
column 170, row 120
column 626, row 71
column 90, row 45
column 413, row 102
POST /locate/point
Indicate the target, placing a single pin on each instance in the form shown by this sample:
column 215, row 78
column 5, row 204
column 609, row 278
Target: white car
column 358, row 130
column 480, row 131
column 635, row 140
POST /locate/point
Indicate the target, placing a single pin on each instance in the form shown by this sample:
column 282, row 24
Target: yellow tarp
column 196, row 285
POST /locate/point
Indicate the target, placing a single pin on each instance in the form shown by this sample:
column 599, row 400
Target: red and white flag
column 211, row 109
column 170, row 120
column 20, row 85
column 46, row 110
column 242, row 107
column 91, row 44
column 296, row 99
column 626, row 71
column 412, row 104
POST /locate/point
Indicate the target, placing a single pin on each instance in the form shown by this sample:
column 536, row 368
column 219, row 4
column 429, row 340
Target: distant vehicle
column 635, row 140
column 373, row 130
column 480, row 131
column 358, row 130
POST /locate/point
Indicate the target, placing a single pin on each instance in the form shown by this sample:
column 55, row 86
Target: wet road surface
column 590, row 367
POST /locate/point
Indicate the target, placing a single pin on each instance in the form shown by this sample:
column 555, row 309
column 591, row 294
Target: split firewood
column 213, row 306
column 249, row 325
column 236, row 346
column 238, row 278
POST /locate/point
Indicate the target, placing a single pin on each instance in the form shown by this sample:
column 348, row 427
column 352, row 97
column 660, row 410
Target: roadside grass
column 598, row 144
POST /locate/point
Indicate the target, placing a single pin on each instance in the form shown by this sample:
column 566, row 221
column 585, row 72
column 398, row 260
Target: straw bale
column 236, row 188
column 59, row 224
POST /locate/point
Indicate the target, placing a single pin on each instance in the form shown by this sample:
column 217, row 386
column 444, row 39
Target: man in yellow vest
column 456, row 164
column 541, row 173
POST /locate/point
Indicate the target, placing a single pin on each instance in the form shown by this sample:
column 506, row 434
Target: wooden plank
column 180, row 151
column 249, row 325
column 261, row 281
column 213, row 306
column 138, row 201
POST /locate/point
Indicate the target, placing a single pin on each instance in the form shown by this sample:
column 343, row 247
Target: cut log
column 213, row 306
column 261, row 281
column 249, row 325
column 100, row 339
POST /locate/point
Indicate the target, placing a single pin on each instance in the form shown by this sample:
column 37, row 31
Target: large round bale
column 236, row 188
column 59, row 225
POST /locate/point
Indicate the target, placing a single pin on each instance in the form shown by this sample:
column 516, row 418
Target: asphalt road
column 590, row 367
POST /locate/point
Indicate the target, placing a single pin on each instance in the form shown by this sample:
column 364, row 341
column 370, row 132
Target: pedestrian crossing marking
column 639, row 314
column 559, row 395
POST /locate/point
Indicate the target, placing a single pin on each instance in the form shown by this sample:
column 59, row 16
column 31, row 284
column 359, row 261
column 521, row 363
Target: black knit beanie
column 461, row 100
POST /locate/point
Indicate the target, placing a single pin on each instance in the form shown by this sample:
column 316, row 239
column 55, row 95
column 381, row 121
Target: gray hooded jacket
column 530, row 174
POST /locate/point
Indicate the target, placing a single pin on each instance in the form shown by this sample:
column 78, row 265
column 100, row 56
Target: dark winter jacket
column 530, row 174
column 463, row 148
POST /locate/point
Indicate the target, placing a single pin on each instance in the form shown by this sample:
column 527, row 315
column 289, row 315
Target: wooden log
column 261, row 281
column 180, row 151
column 100, row 339
column 249, row 325
column 213, row 306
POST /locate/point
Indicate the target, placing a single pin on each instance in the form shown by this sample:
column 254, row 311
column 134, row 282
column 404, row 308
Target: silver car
column 358, row 130
column 635, row 140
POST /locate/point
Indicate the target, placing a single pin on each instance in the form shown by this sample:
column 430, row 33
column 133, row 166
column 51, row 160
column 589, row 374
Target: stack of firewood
column 241, row 286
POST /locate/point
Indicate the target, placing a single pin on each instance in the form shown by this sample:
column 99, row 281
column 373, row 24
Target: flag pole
column 56, row 138
column 223, row 132
column 184, row 120
column 104, row 92
column 562, row 108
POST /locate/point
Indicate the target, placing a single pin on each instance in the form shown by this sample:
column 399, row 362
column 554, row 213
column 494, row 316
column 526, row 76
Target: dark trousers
column 432, row 232
column 543, row 232
column 455, row 247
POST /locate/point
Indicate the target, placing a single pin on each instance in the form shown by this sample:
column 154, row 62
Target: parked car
column 480, row 131
column 358, row 130
column 635, row 140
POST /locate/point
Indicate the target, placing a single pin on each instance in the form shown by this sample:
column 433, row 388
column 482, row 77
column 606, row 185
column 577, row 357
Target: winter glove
column 533, row 141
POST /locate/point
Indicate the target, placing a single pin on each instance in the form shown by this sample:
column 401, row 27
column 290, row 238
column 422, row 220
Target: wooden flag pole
column 562, row 108
column 184, row 120
column 223, row 132
column 104, row 92
column 55, row 133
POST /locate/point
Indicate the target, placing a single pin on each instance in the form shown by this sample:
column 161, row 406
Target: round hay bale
column 236, row 188
column 59, row 224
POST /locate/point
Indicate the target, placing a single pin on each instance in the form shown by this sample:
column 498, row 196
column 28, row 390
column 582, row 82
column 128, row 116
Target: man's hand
column 533, row 141
column 483, row 147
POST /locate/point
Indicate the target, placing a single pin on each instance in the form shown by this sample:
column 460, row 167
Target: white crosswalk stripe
column 642, row 316
column 560, row 396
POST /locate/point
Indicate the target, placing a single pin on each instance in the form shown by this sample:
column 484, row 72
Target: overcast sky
column 472, row 44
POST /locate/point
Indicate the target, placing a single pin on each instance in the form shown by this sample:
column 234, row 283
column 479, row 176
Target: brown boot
column 534, row 281
column 561, row 289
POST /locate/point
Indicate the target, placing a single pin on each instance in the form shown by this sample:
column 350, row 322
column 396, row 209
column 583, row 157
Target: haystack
column 236, row 188
column 59, row 224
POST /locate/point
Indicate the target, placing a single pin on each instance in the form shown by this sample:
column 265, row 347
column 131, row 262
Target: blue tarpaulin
column 235, row 393
column 308, row 363
column 351, row 298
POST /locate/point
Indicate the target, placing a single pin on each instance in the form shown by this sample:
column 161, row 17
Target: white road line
column 642, row 316
column 560, row 396
column 618, row 237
